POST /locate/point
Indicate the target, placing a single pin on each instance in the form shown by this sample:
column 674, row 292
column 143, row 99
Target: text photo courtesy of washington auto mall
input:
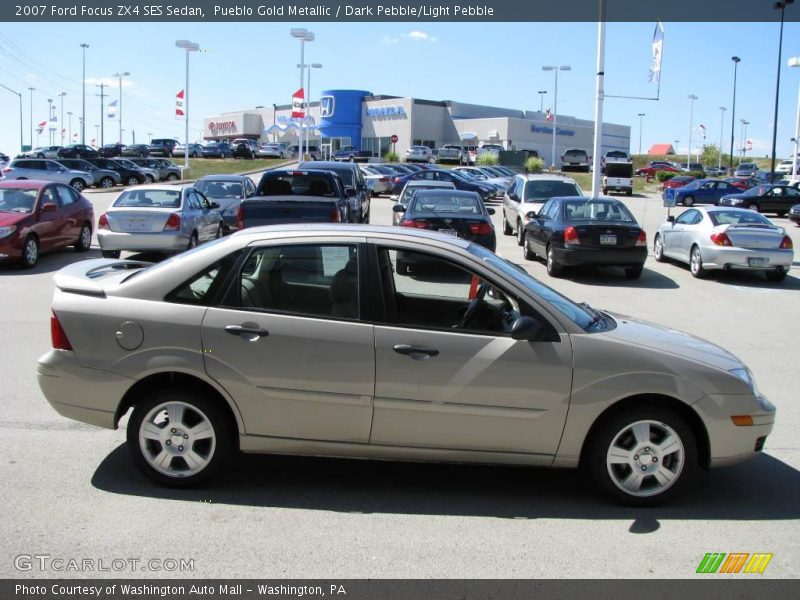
column 382, row 300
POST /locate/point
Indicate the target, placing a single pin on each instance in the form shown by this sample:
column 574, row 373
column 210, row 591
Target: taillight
column 642, row 239
column 173, row 222
column 102, row 222
column 571, row 236
column 239, row 218
column 786, row 243
column 335, row 216
column 384, row 179
column 7, row 170
column 58, row 335
column 416, row 223
column 480, row 228
column 721, row 239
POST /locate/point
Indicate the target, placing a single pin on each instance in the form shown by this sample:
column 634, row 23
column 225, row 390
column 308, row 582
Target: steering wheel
column 473, row 305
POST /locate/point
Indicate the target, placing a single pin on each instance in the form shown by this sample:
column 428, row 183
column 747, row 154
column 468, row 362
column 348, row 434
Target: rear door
column 71, row 214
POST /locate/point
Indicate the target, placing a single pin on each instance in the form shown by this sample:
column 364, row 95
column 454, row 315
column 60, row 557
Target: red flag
column 548, row 116
column 297, row 104
column 179, row 97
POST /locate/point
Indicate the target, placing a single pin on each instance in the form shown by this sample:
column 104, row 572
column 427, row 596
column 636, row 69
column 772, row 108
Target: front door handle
column 410, row 350
column 240, row 330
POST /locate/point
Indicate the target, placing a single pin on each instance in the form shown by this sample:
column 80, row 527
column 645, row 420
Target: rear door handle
column 409, row 350
column 240, row 330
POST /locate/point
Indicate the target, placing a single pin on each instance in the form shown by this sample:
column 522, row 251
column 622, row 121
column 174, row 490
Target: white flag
column 658, row 46
column 112, row 110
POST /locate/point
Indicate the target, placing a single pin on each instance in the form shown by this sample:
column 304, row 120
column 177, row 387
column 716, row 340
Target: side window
column 552, row 211
column 698, row 216
column 39, row 165
column 191, row 201
column 51, row 166
column 543, row 212
column 200, row 199
column 203, row 287
column 48, row 196
column 302, row 279
column 428, row 292
column 66, row 195
column 686, row 218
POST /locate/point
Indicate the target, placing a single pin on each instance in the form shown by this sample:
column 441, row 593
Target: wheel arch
column 683, row 410
column 186, row 382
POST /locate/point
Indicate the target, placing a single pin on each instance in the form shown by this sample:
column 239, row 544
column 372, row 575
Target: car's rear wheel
column 84, row 238
column 642, row 457
column 192, row 241
column 172, row 177
column 179, row 438
column 77, row 184
column 658, row 249
column 149, row 179
column 110, row 253
column 220, row 231
column 527, row 252
column 30, row 252
column 696, row 263
column 106, row 182
column 507, row 230
column 777, row 274
column 554, row 269
column 131, row 180
column 520, row 233
column 688, row 200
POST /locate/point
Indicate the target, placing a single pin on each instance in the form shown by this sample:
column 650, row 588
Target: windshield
column 572, row 311
column 17, row 199
column 126, row 163
column 149, row 199
column 220, row 189
column 541, row 191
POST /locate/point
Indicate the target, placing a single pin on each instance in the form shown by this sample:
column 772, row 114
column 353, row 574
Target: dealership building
column 368, row 122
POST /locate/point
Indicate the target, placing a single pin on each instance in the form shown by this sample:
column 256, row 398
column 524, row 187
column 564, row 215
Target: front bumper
column 618, row 257
column 726, row 257
column 164, row 241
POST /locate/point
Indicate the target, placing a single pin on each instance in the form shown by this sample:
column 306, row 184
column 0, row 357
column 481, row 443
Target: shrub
column 534, row 165
column 391, row 157
column 663, row 176
column 488, row 159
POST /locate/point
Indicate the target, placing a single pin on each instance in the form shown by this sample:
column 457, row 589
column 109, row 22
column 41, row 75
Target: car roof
column 428, row 182
column 327, row 165
column 542, row 177
column 447, row 193
column 28, row 184
column 222, row 178
column 159, row 186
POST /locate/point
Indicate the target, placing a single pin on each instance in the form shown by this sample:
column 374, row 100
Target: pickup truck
column 452, row 153
column 352, row 154
column 295, row 196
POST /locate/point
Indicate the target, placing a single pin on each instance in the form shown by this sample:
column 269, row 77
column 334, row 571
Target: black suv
column 244, row 148
column 129, row 176
column 355, row 186
column 163, row 146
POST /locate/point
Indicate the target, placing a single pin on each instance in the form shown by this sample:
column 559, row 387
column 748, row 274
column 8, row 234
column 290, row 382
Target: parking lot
column 73, row 492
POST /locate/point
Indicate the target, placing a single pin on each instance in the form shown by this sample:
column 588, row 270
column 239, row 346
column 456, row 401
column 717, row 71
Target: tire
column 149, row 179
column 220, row 231
column 30, row 252
column 650, row 440
column 696, row 263
column 84, row 238
column 106, row 182
column 658, row 249
column 178, row 437
column 507, row 230
column 526, row 250
column 634, row 272
column 605, row 191
column 688, row 200
column 777, row 275
column 77, row 184
column 172, row 177
column 40, row 155
column 780, row 213
column 753, row 206
column 520, row 233
column 110, row 253
column 629, row 192
column 553, row 268
column 132, row 181
column 192, row 241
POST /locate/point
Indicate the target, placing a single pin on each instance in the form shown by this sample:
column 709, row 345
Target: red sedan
column 742, row 183
column 652, row 170
column 677, row 181
column 38, row 216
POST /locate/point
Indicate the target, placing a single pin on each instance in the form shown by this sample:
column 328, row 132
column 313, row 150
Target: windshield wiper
column 597, row 316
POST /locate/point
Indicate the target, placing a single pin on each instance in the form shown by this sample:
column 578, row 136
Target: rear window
column 541, row 191
column 579, row 210
column 149, row 199
column 220, row 189
column 291, row 184
column 575, row 153
column 440, row 203
column 737, row 217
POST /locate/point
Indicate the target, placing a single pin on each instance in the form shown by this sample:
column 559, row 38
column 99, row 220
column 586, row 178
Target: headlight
column 7, row 231
column 735, row 201
column 745, row 375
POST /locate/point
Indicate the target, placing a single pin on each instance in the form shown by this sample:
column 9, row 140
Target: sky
column 243, row 65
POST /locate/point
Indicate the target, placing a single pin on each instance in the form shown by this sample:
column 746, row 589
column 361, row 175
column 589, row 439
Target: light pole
column 782, row 6
column 102, row 95
column 692, row 98
column 555, row 69
column 19, row 94
column 304, row 35
column 83, row 96
column 795, row 62
column 149, row 137
column 69, row 132
column 308, row 96
column 50, row 121
column 736, row 60
column 541, row 100
column 96, row 134
column 31, row 90
column 119, row 111
column 61, row 122
column 743, row 141
column 722, row 110
column 641, row 116
column 189, row 47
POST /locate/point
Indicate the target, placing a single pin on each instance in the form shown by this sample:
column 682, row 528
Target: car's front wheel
column 658, row 249
column 77, row 184
column 179, row 437
column 106, row 182
column 520, row 233
column 30, row 252
column 149, row 179
column 131, row 180
column 643, row 456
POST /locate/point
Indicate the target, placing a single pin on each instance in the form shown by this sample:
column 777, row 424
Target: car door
column 70, row 212
column 288, row 344
column 541, row 228
column 511, row 200
column 208, row 215
column 673, row 235
column 722, row 188
column 49, row 225
column 441, row 384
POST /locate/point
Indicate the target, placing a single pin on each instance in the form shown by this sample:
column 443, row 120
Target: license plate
column 608, row 240
column 137, row 224
column 448, row 231
column 757, row 261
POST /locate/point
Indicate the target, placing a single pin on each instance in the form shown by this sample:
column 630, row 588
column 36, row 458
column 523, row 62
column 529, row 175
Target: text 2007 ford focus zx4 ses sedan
column 310, row 340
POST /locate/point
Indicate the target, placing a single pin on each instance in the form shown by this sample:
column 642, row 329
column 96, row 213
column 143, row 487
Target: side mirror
column 49, row 207
column 398, row 208
column 671, row 218
column 513, row 196
column 213, row 204
column 490, row 211
column 527, row 328
column 532, row 215
column 350, row 192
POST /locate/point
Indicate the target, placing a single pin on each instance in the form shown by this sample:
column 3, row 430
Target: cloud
column 420, row 36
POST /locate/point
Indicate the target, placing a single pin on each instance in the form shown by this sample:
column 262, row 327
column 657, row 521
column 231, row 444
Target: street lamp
column 736, row 60
column 541, row 100
column 308, row 97
column 31, row 90
column 149, row 137
column 83, row 97
column 795, row 62
column 722, row 110
column 61, row 122
column 555, row 69
column 50, row 121
column 69, row 132
column 641, row 116
column 692, row 98
column 19, row 94
column 743, row 141
column 189, row 47
column 782, row 6
column 119, row 108
column 304, row 35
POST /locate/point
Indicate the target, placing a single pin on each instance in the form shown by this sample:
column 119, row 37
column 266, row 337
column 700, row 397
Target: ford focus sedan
column 158, row 218
column 307, row 340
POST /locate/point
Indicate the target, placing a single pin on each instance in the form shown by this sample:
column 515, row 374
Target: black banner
column 394, row 10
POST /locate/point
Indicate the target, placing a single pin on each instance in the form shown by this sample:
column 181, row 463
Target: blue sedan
column 460, row 182
column 701, row 191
